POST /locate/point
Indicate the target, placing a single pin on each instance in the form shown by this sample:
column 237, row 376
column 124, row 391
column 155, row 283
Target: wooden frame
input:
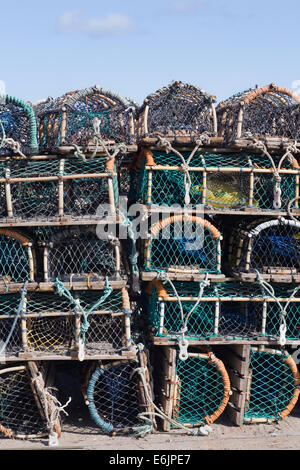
column 169, row 386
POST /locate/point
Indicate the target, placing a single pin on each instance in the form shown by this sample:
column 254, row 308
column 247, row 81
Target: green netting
column 183, row 246
column 199, row 392
column 14, row 260
column 271, row 385
column 229, row 310
column 223, row 190
column 39, row 197
column 49, row 323
column 81, row 108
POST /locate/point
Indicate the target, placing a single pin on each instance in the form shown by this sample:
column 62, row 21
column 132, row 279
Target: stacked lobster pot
column 215, row 283
column 262, row 250
column 63, row 275
column 181, row 252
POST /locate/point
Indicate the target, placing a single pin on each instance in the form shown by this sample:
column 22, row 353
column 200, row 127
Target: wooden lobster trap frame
column 183, row 246
column 218, row 181
column 270, row 248
column 28, row 407
column 76, row 254
column 179, row 112
column 67, row 123
column 119, row 396
column 222, row 312
column 48, row 327
column 18, row 127
column 52, row 188
column 265, row 383
column 270, row 113
column 192, row 392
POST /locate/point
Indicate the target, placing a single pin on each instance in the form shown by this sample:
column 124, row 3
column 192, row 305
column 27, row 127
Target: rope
column 203, row 430
column 97, row 139
column 10, row 142
column 166, row 145
column 52, row 409
column 63, row 291
column 265, row 286
column 19, row 311
column 183, row 342
column 277, row 203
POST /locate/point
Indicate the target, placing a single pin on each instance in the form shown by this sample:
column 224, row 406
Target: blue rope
column 90, row 396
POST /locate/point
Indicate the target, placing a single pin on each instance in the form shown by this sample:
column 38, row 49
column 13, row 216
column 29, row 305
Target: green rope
column 63, row 291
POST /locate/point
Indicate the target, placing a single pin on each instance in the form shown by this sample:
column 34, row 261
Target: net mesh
column 178, row 109
column 182, row 246
column 113, row 394
column 199, row 391
column 272, row 113
column 82, row 193
column 18, row 410
column 49, row 324
column 272, row 385
column 220, row 190
column 17, row 122
column 14, row 260
column 228, row 310
column 273, row 248
column 76, row 255
column 82, row 107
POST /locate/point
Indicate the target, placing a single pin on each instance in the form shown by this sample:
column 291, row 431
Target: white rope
column 183, row 342
column 277, row 203
column 166, row 145
column 203, row 430
column 270, row 291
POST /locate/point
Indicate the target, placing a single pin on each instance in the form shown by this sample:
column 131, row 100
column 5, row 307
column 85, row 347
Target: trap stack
column 63, row 282
column 232, row 285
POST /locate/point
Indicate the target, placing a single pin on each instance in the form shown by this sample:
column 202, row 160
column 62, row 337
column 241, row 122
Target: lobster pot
column 109, row 325
column 218, row 181
column 79, row 255
column 18, row 127
column 117, row 395
column 49, row 326
column 26, row 406
column 270, row 112
column 183, row 244
column 226, row 310
column 272, row 386
column 179, row 112
column 270, row 248
column 195, row 391
column 17, row 263
column 31, row 189
column 68, row 122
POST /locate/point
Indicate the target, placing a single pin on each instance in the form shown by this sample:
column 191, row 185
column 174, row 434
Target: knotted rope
column 51, row 407
column 63, row 291
column 266, row 287
column 183, row 342
column 184, row 168
column 10, row 142
column 97, row 139
column 277, row 203
column 203, row 430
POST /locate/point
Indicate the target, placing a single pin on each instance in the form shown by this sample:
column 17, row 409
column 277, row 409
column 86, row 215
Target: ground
column 82, row 435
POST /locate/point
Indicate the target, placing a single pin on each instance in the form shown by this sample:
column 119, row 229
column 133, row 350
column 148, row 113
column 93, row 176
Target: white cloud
column 73, row 21
column 185, row 6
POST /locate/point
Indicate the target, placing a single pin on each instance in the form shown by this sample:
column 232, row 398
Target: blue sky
column 135, row 47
